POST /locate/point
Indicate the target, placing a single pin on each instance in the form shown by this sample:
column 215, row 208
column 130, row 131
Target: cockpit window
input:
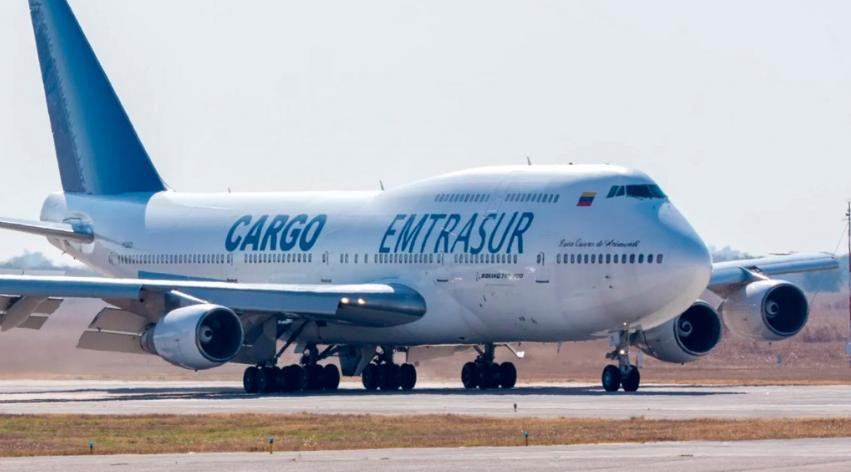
column 636, row 191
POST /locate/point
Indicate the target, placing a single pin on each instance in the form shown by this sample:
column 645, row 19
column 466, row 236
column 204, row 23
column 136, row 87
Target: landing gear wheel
column 488, row 376
column 330, row 377
column 249, row 380
column 281, row 380
column 507, row 375
column 313, row 373
column 611, row 378
column 369, row 377
column 294, row 375
column 631, row 379
column 266, row 380
column 407, row 376
column 470, row 375
column 388, row 377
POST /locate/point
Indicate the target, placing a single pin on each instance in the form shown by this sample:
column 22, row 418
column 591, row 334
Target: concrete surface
column 578, row 400
column 776, row 456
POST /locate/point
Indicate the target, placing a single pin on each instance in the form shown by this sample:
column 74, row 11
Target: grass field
column 71, row 434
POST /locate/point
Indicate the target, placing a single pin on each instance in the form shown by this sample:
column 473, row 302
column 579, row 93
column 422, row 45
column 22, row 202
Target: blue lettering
column 271, row 236
column 464, row 235
column 232, row 244
column 448, row 227
column 522, row 225
column 434, row 219
column 290, row 235
column 483, row 234
column 407, row 237
column 253, row 236
column 390, row 231
column 306, row 242
column 491, row 247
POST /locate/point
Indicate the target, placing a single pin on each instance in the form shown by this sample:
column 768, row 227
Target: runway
column 793, row 454
column 545, row 400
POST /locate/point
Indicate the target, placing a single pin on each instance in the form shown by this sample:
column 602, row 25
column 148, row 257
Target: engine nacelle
column 196, row 337
column 685, row 338
column 766, row 310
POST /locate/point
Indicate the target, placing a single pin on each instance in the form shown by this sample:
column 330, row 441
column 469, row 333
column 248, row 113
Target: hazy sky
column 741, row 110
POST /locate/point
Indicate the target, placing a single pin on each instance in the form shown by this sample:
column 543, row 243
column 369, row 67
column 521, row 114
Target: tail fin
column 97, row 148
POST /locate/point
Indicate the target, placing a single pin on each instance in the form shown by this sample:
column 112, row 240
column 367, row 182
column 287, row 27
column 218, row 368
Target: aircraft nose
column 689, row 258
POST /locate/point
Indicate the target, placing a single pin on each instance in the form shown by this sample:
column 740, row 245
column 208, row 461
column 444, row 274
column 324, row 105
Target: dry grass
column 70, row 434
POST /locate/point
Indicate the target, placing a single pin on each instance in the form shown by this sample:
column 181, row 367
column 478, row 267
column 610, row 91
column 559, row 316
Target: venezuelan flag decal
column 586, row 199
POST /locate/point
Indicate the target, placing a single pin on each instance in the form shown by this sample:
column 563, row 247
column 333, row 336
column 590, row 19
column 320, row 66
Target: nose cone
column 689, row 265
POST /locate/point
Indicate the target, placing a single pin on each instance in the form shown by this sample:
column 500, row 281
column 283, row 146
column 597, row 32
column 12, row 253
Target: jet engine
column 766, row 310
column 196, row 337
column 686, row 338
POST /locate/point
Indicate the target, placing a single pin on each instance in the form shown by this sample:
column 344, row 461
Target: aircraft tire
column 507, row 375
column 631, row 379
column 330, row 377
column 249, row 380
column 369, row 377
column 611, row 378
column 407, row 376
column 266, row 380
column 281, row 379
column 488, row 376
column 295, row 380
column 314, row 374
column 388, row 376
column 470, row 375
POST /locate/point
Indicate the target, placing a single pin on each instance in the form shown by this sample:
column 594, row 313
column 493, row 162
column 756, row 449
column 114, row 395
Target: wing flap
column 112, row 342
column 117, row 320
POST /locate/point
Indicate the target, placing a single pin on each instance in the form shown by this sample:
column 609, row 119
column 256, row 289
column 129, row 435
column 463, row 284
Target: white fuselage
column 500, row 254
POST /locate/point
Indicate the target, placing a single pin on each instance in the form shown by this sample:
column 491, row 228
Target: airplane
column 477, row 260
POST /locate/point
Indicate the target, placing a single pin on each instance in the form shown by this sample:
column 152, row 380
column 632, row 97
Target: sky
column 740, row 110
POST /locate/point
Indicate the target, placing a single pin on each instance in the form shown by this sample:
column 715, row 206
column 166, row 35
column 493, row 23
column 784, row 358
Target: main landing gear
column 485, row 373
column 384, row 374
column 307, row 375
column 624, row 374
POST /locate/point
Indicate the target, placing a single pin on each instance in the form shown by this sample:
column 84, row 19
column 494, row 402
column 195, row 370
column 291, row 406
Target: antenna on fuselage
column 528, row 160
column 381, row 184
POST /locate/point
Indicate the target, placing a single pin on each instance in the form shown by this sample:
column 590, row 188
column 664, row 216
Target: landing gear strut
column 485, row 373
column 384, row 374
column 307, row 375
column 624, row 374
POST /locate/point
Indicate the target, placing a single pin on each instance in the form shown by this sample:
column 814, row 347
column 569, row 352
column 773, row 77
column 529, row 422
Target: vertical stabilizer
column 96, row 146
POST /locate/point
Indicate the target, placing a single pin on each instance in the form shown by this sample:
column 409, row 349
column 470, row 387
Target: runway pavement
column 780, row 455
column 569, row 399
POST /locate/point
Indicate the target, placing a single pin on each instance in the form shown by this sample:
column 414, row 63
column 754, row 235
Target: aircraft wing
column 728, row 275
column 374, row 305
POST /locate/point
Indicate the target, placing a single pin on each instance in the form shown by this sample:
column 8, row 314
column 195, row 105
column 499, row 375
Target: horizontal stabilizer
column 49, row 229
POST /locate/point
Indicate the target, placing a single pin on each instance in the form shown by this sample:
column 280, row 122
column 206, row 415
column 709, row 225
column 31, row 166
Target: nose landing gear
column 485, row 373
column 624, row 374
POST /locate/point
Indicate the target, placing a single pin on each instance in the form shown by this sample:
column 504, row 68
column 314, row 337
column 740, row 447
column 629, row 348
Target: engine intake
column 767, row 310
column 196, row 337
column 686, row 338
